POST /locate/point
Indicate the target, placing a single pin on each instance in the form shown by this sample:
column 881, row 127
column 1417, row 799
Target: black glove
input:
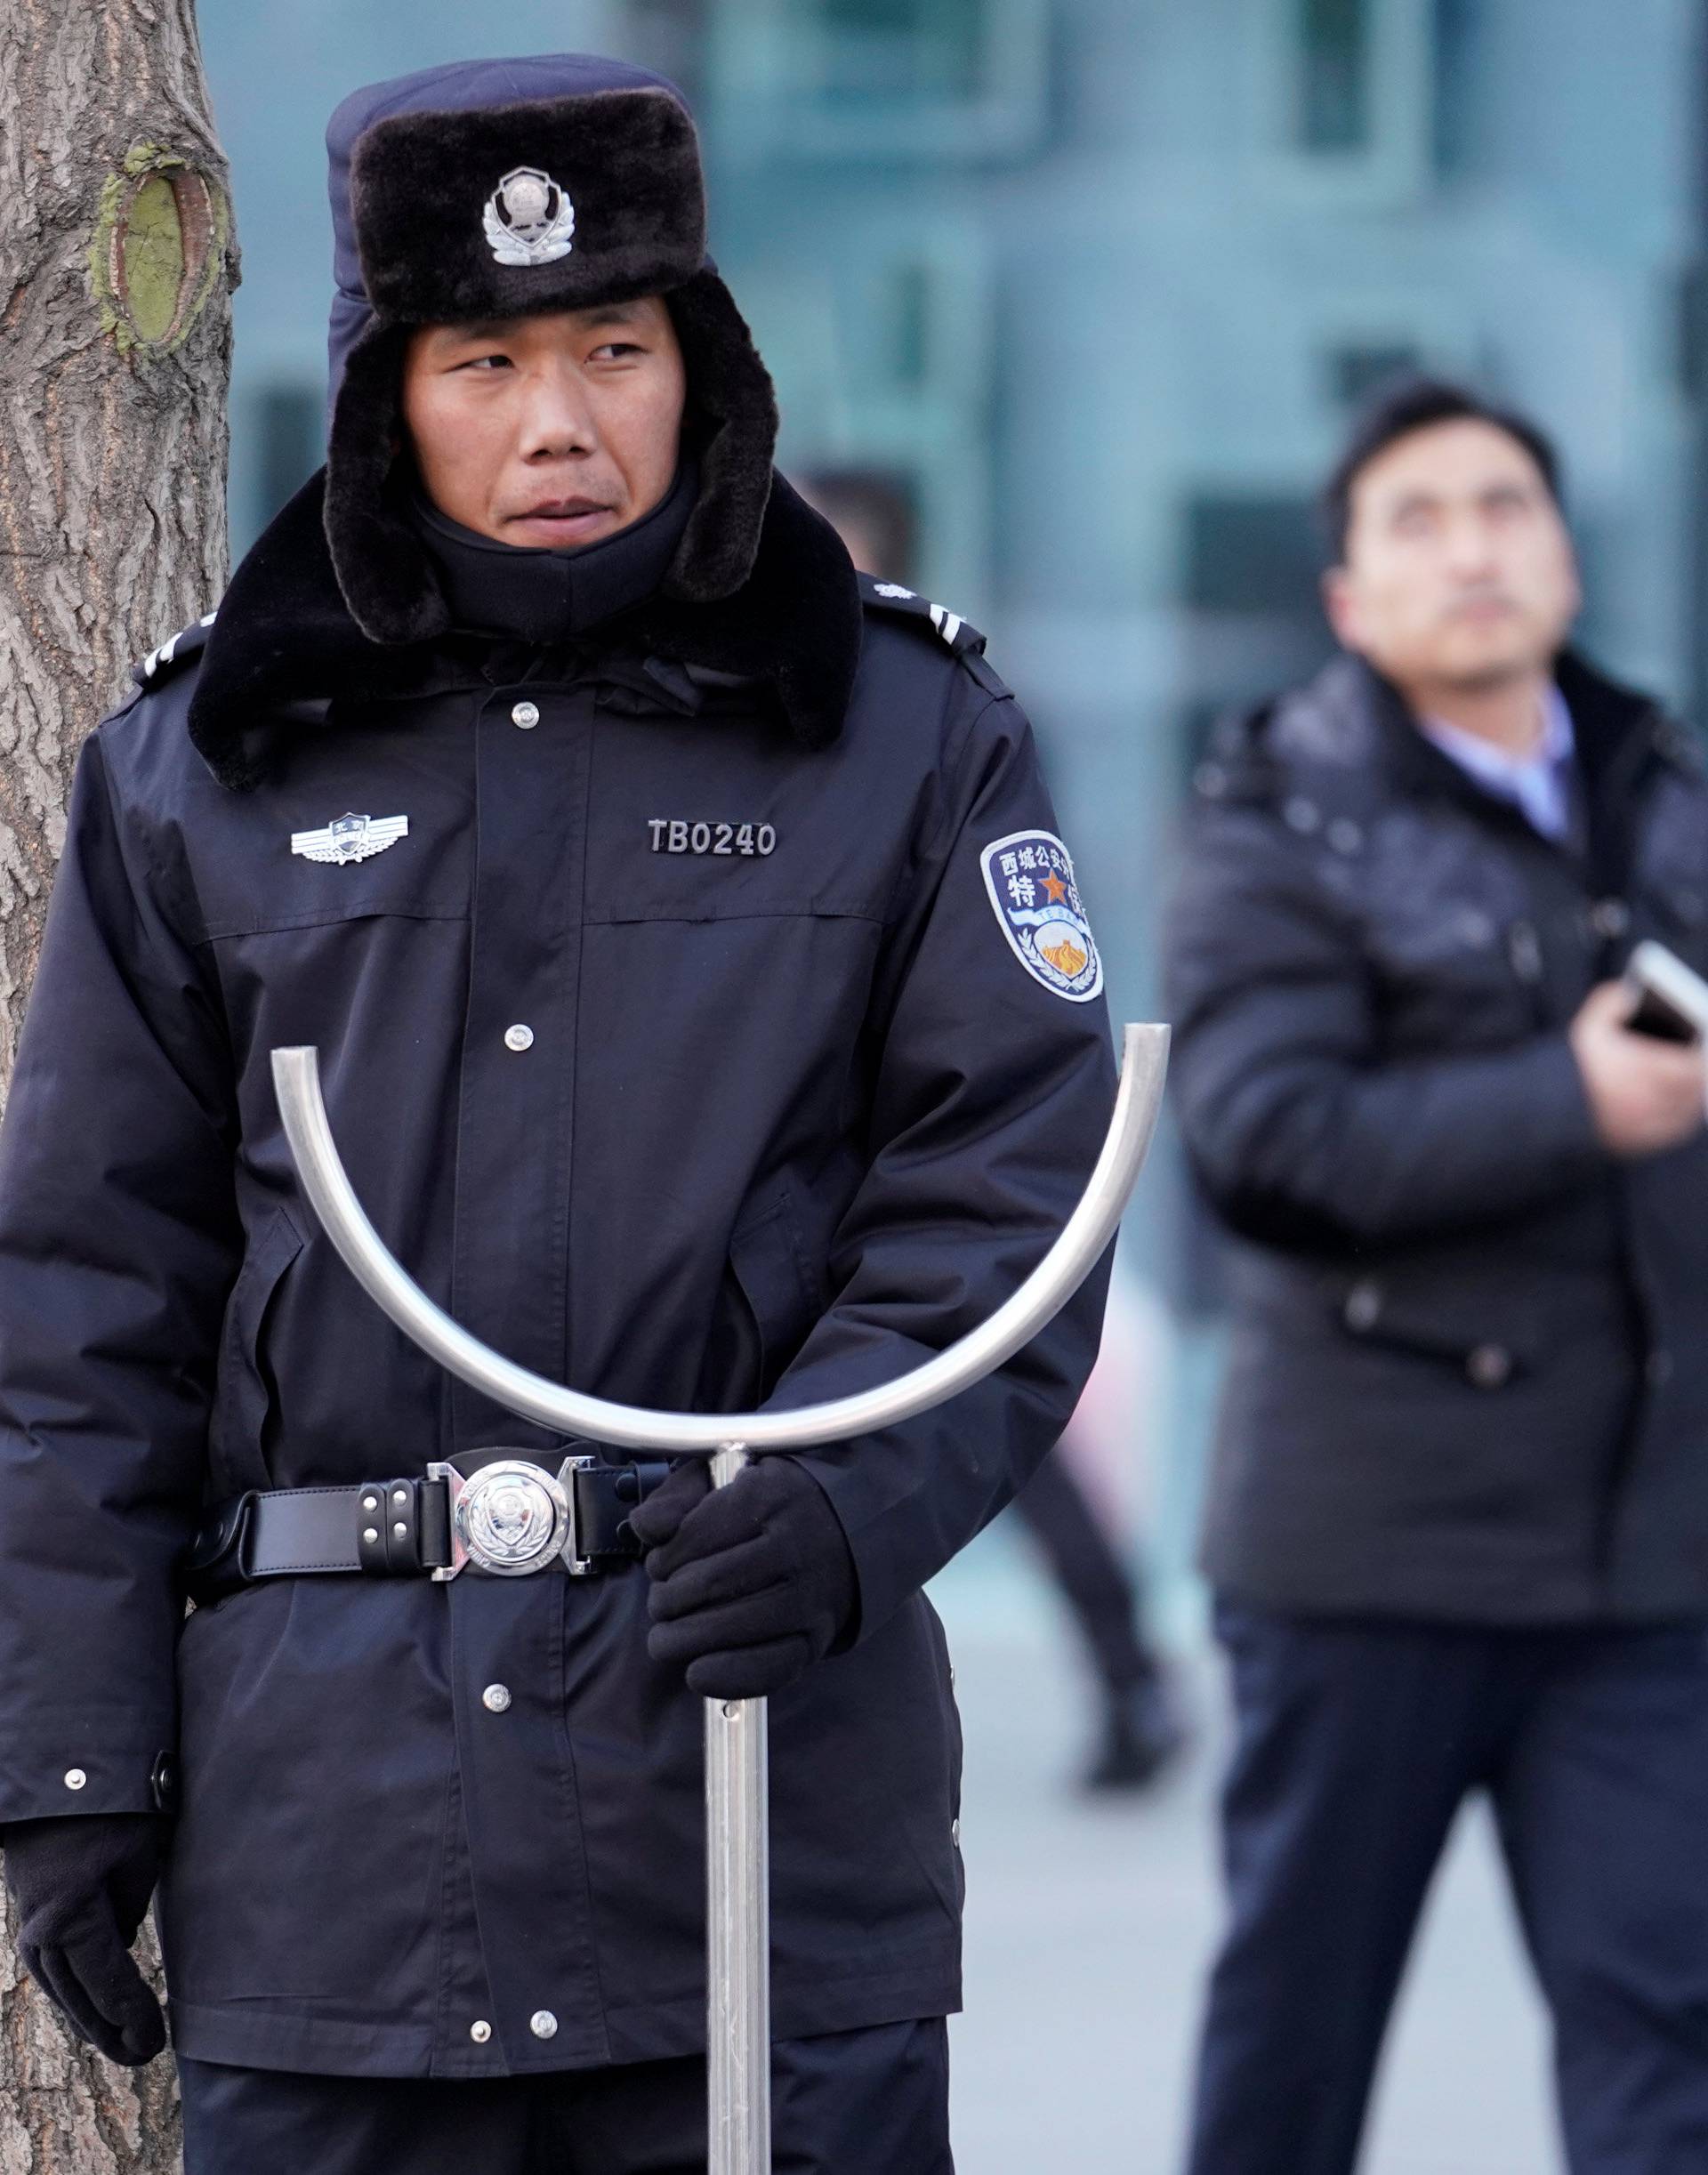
column 752, row 1583
column 82, row 1883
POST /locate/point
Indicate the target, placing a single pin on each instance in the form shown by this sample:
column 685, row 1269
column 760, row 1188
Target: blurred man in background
column 1458, row 1520
column 1139, row 1727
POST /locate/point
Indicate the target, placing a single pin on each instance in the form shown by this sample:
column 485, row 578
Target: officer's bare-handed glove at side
column 82, row 1883
column 752, row 1583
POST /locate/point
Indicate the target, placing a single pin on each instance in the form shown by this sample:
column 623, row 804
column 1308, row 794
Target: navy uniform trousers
column 872, row 2102
column 1356, row 1743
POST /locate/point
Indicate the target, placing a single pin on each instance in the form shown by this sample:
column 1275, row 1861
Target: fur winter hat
column 496, row 189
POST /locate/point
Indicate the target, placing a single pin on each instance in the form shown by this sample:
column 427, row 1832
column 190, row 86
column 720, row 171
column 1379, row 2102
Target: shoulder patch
column 1030, row 882
column 964, row 640
column 187, row 642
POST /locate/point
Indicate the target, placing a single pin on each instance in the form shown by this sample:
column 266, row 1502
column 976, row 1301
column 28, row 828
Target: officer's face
column 1458, row 573
column 547, row 430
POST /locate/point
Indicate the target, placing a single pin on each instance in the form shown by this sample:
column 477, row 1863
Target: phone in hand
column 1669, row 1000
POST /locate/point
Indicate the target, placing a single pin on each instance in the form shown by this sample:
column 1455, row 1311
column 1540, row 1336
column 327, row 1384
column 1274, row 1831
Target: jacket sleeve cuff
column 1560, row 1109
column 874, row 1600
column 79, row 1770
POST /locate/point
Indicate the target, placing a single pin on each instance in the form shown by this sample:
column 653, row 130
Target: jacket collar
column 286, row 655
column 1615, row 729
column 1349, row 718
column 1351, row 722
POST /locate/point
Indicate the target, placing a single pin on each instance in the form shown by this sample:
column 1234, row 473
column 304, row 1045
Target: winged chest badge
column 350, row 838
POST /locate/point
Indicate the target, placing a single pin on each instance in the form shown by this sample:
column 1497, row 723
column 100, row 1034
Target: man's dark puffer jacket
column 1470, row 1371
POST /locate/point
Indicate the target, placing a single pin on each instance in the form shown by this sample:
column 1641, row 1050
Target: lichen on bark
column 161, row 241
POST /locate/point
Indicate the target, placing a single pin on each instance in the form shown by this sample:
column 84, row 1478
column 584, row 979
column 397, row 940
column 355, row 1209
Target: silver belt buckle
column 514, row 1519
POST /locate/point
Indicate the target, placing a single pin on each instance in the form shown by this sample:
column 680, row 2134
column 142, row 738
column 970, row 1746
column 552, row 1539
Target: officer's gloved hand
column 81, row 1883
column 752, row 1583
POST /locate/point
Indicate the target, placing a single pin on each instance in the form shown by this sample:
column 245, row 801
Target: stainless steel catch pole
column 737, row 1933
column 737, row 1920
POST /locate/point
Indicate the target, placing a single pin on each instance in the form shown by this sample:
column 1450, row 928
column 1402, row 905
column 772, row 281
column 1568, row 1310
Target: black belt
column 507, row 1512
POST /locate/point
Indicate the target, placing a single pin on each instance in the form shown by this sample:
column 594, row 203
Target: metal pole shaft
column 737, row 1920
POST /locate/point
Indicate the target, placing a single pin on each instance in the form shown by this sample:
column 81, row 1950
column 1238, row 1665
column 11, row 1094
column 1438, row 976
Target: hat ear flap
column 734, row 403
column 384, row 569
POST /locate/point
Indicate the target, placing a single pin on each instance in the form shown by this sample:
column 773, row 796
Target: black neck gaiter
column 519, row 593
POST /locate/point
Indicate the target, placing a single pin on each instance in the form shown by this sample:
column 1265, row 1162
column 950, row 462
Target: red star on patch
column 1054, row 889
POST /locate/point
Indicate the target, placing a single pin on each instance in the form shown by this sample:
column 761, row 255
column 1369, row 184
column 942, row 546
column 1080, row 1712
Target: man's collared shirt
column 1539, row 784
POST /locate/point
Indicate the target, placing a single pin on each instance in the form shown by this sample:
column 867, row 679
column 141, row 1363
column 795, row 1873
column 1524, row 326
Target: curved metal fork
column 297, row 1081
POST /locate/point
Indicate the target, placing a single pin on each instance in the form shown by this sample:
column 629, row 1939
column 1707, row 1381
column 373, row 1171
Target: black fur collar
column 285, row 646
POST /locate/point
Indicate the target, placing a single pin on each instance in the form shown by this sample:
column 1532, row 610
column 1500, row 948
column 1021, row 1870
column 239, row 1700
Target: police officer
column 707, row 1016
column 1458, row 1518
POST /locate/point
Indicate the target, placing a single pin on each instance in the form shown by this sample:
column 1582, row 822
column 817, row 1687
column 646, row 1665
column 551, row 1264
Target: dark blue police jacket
column 803, row 1104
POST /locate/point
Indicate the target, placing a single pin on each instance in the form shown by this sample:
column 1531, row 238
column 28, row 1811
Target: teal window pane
column 908, row 324
column 290, row 423
column 1256, row 555
column 1357, row 374
column 900, row 50
column 1334, row 75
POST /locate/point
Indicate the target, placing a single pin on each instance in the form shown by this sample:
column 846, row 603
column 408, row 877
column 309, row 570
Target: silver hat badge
column 529, row 218
column 350, row 838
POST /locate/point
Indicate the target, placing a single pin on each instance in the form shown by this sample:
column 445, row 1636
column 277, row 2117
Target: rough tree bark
column 116, row 262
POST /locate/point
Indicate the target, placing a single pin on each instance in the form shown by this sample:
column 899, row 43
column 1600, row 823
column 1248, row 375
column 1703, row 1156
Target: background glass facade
column 1074, row 297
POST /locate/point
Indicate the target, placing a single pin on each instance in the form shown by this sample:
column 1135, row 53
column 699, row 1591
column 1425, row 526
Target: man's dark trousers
column 1357, row 1741
column 871, row 2102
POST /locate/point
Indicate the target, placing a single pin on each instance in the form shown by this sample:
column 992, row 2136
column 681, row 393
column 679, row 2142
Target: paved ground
column 1090, row 1927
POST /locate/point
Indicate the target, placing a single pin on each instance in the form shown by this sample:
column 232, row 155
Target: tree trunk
column 116, row 263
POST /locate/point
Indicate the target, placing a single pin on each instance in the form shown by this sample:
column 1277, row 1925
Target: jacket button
column 1659, row 1369
column 1363, row 1308
column 480, row 2031
column 1524, row 948
column 496, row 1698
column 162, row 1784
column 954, row 1833
column 543, row 2024
column 75, row 1778
column 1609, row 917
column 526, row 715
column 1490, row 1366
column 519, row 1037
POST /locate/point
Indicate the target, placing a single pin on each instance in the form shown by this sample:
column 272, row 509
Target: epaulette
column 187, row 642
column 964, row 639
